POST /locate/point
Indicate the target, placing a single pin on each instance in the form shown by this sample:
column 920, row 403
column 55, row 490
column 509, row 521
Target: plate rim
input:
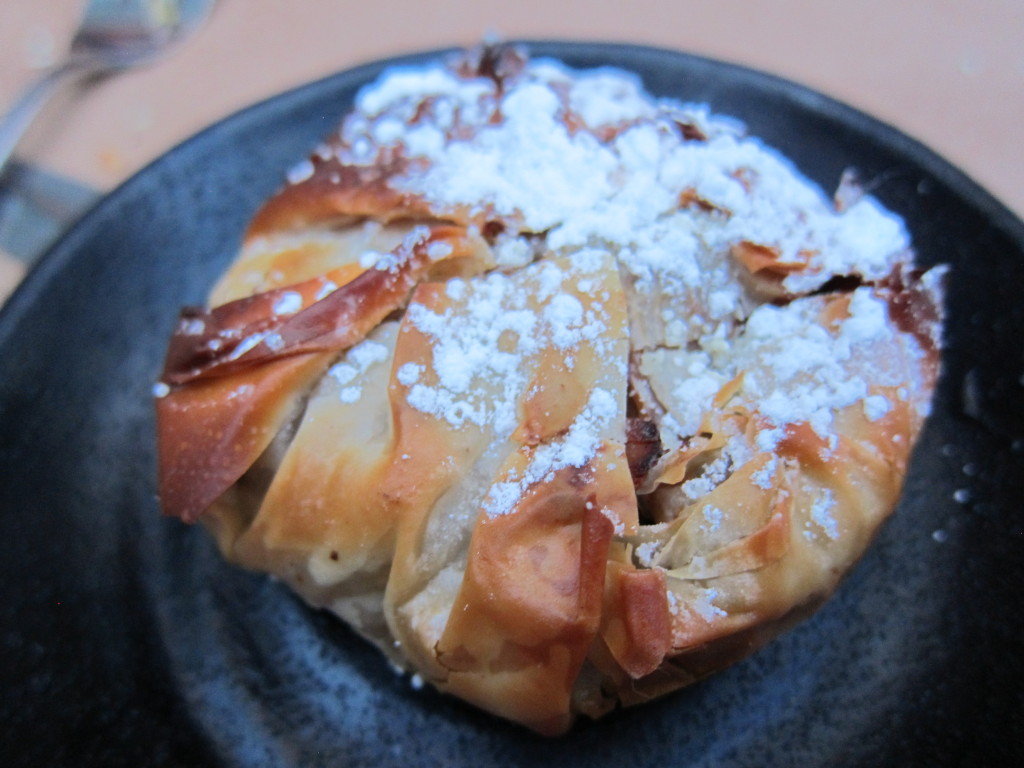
column 964, row 190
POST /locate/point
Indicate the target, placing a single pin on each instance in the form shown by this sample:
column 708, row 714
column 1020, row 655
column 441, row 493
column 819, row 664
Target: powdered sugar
column 574, row 449
column 876, row 406
column 300, row 172
column 356, row 362
column 713, row 517
column 797, row 370
column 488, row 331
column 515, row 156
column 408, row 85
column 288, row 303
column 583, row 165
column 821, row 513
column 467, row 349
column 409, row 374
column 527, row 165
column 604, row 97
column 565, row 316
column 704, row 605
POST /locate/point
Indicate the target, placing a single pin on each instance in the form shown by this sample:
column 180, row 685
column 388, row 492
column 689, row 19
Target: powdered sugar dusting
column 876, row 406
column 483, row 336
column 574, row 449
column 583, row 166
column 821, row 513
column 301, row 172
column 356, row 362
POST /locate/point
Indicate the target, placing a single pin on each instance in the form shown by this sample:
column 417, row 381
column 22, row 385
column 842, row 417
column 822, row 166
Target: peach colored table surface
column 948, row 72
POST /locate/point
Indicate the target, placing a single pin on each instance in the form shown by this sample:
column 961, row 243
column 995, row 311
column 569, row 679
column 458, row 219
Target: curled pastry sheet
column 563, row 396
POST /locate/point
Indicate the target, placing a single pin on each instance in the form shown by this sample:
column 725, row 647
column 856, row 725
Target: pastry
column 562, row 395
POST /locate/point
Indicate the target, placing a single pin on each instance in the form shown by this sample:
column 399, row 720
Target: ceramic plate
column 126, row 640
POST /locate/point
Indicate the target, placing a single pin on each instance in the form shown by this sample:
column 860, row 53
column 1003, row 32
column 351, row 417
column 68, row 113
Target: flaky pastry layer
column 562, row 395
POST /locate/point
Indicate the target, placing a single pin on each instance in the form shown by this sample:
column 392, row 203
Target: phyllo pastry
column 563, row 395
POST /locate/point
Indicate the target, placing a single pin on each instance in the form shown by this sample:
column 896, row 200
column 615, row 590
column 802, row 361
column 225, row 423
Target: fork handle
column 26, row 108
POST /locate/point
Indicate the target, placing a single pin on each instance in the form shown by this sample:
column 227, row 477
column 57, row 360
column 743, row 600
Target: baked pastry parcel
column 563, row 395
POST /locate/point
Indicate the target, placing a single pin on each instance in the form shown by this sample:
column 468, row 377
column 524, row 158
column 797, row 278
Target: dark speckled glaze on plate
column 125, row 640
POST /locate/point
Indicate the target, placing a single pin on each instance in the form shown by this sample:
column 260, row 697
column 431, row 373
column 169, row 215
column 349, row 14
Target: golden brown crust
column 211, row 433
column 337, row 194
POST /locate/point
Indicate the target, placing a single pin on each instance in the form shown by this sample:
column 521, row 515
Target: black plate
column 127, row 641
